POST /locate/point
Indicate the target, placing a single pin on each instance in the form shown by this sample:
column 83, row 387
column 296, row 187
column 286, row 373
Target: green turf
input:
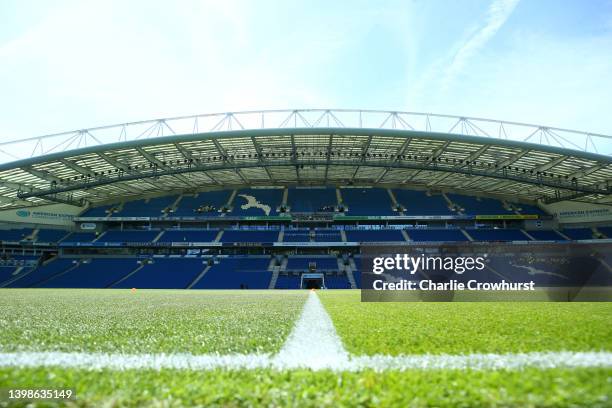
column 147, row 321
column 459, row 328
column 552, row 388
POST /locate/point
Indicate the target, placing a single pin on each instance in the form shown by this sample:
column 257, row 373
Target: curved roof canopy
column 307, row 155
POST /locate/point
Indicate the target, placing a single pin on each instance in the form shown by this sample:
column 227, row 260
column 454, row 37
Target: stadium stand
column 419, row 203
column 189, row 235
column 436, row 235
column 479, row 205
column 128, row 236
column 250, row 236
column 93, row 273
column 374, row 235
column 50, row 235
column 237, row 273
column 578, row 233
column 44, row 272
column 287, row 282
column 367, row 201
column 146, row 208
column 15, row 234
column 170, row 273
column 258, row 202
column 312, row 199
column 321, row 263
column 204, row 204
column 546, row 235
column 486, row 234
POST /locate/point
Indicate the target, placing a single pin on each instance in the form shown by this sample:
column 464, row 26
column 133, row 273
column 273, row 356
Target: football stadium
column 223, row 260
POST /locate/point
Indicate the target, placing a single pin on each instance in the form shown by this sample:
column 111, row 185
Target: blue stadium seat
column 546, row 235
column 50, row 235
column 479, row 206
column 374, row 235
column 146, row 208
column 97, row 211
column 80, row 237
column 529, row 209
column 327, row 235
column 169, row 273
column 436, row 235
column 311, row 199
column 96, row 273
column 367, row 201
column 128, row 236
column 189, row 204
column 249, row 236
column 15, row 235
column 42, row 273
column 189, row 235
column 237, row 273
column 497, row 235
column 296, row 235
column 607, row 231
column 418, row 203
column 287, row 282
column 271, row 198
column 578, row 233
column 337, row 282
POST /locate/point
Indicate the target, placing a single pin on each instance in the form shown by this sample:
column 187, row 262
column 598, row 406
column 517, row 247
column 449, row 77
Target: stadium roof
column 307, row 147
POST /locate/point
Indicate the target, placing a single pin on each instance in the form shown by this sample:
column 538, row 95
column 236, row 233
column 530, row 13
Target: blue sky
column 74, row 64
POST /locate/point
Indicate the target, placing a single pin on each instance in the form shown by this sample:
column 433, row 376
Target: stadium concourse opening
column 268, row 208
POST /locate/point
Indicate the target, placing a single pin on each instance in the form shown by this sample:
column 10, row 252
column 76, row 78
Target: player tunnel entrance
column 313, row 281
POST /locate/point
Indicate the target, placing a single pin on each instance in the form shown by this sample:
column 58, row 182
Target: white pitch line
column 313, row 344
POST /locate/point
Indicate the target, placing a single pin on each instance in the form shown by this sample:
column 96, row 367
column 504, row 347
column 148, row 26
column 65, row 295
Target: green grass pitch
column 197, row 322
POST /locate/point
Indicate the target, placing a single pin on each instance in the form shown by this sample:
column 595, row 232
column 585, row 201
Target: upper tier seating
column 528, row 209
column 128, row 236
column 95, row 273
column 15, row 234
column 479, row 206
column 170, row 273
column 374, row 235
column 258, row 202
column 578, row 233
column 237, row 273
column 188, row 204
column 367, row 201
column 546, row 235
column 436, row 235
column 152, row 207
column 50, row 235
column 250, row 236
column 497, row 235
column 312, row 199
column 189, row 235
column 97, row 211
column 418, row 203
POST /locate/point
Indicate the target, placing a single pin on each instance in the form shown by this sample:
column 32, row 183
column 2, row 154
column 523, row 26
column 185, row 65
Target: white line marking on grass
column 313, row 344
column 511, row 361
column 98, row 361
